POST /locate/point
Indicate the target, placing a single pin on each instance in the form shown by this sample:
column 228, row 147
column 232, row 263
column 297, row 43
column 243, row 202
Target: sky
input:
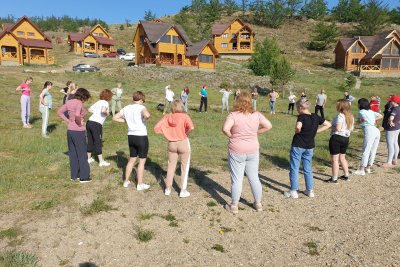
column 115, row 12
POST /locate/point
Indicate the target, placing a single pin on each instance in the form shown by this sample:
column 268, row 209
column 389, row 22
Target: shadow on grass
column 52, row 127
column 281, row 162
column 88, row 264
column 34, row 119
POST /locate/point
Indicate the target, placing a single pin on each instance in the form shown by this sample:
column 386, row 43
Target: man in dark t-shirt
column 302, row 149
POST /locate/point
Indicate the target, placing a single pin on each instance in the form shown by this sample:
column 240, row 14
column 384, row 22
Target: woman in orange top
column 175, row 127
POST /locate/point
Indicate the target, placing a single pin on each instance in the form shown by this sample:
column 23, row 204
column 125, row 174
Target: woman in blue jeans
column 302, row 149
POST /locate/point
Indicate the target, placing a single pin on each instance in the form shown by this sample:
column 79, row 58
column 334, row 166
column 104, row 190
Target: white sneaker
column 167, row 191
column 141, row 187
column 291, row 194
column 309, row 193
column 90, row 160
column 359, row 172
column 184, row 193
column 368, row 170
column 127, row 183
column 104, row 163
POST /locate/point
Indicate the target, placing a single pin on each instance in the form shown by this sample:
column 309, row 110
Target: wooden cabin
column 157, row 42
column 23, row 42
column 378, row 53
column 95, row 39
column 235, row 38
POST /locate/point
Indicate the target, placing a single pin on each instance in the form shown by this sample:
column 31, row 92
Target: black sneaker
column 344, row 178
column 85, row 181
column 332, row 181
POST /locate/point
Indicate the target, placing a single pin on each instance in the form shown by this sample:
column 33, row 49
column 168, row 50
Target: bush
column 264, row 57
column 316, row 45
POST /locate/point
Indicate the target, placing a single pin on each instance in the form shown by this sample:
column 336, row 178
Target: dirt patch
column 351, row 223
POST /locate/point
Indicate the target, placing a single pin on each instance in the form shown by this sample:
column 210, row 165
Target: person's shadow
column 88, row 264
column 213, row 188
column 273, row 184
column 52, row 127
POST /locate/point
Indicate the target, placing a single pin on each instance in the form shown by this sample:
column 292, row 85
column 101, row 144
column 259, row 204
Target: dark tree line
column 53, row 23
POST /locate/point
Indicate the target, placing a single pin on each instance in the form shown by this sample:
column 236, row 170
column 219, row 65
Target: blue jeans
column 272, row 106
column 304, row 156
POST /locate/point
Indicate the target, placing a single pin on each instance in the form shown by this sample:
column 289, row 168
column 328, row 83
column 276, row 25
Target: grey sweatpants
column 25, row 109
column 370, row 145
column 392, row 145
column 239, row 164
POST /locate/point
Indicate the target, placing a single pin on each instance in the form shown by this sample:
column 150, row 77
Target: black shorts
column 338, row 144
column 138, row 146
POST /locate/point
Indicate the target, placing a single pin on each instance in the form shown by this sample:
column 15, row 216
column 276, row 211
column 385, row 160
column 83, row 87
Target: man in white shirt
column 169, row 97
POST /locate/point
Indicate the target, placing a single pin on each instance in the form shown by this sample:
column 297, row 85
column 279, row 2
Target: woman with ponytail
column 342, row 126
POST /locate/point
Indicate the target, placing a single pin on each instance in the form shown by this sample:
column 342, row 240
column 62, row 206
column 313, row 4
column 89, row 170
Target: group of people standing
column 242, row 126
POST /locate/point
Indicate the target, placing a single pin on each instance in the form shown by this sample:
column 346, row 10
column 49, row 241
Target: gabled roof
column 155, row 30
column 7, row 27
column 198, row 47
column 219, row 29
column 373, row 44
column 74, row 37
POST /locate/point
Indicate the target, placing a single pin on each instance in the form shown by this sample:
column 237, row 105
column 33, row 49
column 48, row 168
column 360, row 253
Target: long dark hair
column 47, row 84
column 363, row 103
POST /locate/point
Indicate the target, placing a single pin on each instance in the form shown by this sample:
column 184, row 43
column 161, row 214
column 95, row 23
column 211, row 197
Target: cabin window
column 356, row 48
column 395, row 49
column 354, row 61
column 224, row 45
column 385, row 63
column 31, row 34
column 95, row 34
column 386, row 51
column 206, row 58
column 20, row 33
column 166, row 39
column 394, row 63
column 100, row 34
column 225, row 35
column 141, row 39
column 176, row 40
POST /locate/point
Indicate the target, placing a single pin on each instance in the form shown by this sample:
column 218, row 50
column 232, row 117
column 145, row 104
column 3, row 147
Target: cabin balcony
column 369, row 68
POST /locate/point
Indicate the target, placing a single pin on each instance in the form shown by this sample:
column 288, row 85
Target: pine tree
column 281, row 73
column 276, row 13
column 324, row 35
column 264, row 57
column 373, row 16
column 230, row 7
column 293, row 7
column 347, row 10
column 314, row 9
column 149, row 15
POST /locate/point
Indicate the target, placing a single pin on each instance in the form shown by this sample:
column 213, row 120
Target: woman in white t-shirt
column 169, row 97
column 94, row 127
column 292, row 100
column 342, row 126
column 136, row 115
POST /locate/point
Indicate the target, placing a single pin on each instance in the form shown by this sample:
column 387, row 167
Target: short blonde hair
column 177, row 106
column 243, row 103
column 303, row 103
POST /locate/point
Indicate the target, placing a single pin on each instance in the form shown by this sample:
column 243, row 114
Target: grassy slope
column 34, row 169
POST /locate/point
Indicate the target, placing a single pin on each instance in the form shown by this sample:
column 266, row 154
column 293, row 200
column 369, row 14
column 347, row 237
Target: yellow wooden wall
column 26, row 27
column 232, row 29
column 172, row 48
column 207, row 51
column 9, row 40
column 98, row 29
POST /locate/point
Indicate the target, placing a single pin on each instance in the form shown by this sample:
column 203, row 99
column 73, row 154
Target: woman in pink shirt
column 25, row 101
column 175, row 127
column 243, row 126
column 76, row 135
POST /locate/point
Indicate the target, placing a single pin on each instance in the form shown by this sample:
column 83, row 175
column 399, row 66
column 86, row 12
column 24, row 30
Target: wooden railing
column 169, row 61
column 9, row 55
column 244, row 47
column 370, row 68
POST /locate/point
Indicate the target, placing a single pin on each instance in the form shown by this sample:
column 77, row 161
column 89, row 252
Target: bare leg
column 140, row 170
column 345, row 165
column 335, row 165
column 129, row 167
